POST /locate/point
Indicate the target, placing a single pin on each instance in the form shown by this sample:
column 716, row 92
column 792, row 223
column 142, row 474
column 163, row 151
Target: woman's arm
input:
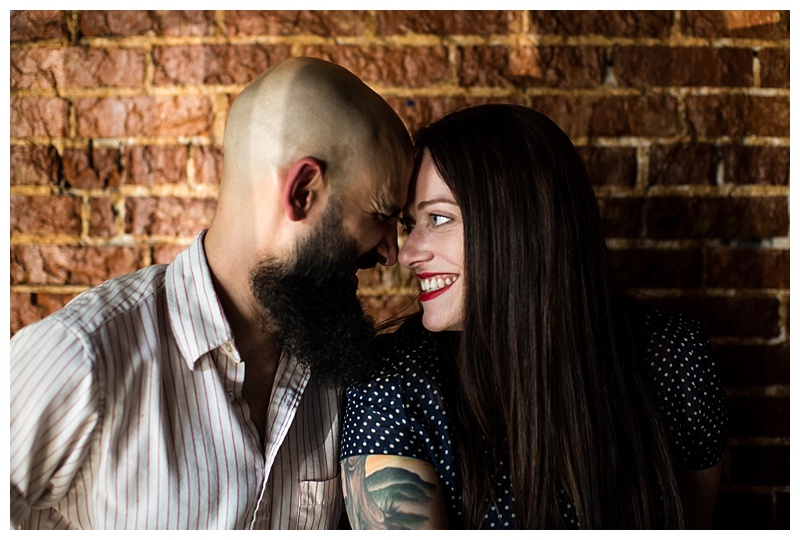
column 392, row 492
column 701, row 496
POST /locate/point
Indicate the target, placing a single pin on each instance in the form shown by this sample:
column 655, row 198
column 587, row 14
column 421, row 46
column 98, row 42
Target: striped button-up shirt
column 127, row 413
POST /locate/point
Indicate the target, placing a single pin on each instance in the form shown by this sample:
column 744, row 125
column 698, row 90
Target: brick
column 214, row 64
column 388, row 66
column 744, row 268
column 764, row 165
column 67, row 265
column 654, row 24
column 683, row 164
column 759, row 416
column 61, row 68
column 306, row 22
column 743, row 511
column 738, row 115
column 208, row 161
column 739, row 317
column 32, row 25
column 28, row 308
column 646, row 116
column 774, row 68
column 102, row 217
column 419, row 111
column 385, row 308
column 753, row 365
column 444, row 22
column 156, row 165
column 38, row 117
column 46, row 215
column 560, row 67
column 621, row 216
column 93, row 167
column 760, row 465
column 109, row 23
column 34, row 165
column 144, row 116
column 656, row 268
column 624, row 116
column 91, row 67
column 383, row 277
column 608, row 165
column 168, row 216
column 716, row 217
column 35, row 68
column 166, row 254
column 645, row 67
column 736, row 23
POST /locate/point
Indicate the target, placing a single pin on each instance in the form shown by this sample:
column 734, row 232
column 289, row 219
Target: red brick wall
column 682, row 117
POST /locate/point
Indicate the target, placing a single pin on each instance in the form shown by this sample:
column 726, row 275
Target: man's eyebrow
column 392, row 210
column 430, row 202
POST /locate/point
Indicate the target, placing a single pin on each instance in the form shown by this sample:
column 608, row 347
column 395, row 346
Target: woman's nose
column 413, row 252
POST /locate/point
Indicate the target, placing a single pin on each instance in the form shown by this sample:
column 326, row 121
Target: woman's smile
column 434, row 285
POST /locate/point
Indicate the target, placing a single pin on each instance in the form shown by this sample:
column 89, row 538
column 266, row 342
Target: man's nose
column 386, row 250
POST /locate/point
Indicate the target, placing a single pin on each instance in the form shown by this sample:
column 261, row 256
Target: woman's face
column 434, row 249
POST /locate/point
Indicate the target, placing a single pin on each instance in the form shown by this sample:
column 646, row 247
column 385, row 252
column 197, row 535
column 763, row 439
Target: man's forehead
column 387, row 201
column 389, row 187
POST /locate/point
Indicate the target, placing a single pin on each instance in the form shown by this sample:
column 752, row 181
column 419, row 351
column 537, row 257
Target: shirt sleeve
column 689, row 391
column 380, row 420
column 54, row 410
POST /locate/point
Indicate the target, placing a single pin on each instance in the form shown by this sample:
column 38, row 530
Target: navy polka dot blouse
column 403, row 409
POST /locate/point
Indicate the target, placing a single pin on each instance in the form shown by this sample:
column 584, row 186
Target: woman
column 530, row 392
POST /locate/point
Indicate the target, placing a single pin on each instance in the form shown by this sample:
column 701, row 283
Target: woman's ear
column 303, row 186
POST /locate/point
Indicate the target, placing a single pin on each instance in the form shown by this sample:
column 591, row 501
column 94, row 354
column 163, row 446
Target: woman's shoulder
column 408, row 357
column 409, row 334
column 409, row 346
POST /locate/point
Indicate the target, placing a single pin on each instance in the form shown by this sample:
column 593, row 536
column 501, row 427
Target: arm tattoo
column 386, row 498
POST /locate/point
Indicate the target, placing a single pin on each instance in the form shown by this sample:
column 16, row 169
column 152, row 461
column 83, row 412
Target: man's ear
column 303, row 185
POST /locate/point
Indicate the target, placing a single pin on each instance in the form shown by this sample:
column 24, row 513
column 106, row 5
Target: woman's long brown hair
column 549, row 379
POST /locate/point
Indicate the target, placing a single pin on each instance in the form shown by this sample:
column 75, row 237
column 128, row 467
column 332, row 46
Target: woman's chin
column 435, row 323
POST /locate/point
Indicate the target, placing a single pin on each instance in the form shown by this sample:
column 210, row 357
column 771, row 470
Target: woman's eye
column 438, row 220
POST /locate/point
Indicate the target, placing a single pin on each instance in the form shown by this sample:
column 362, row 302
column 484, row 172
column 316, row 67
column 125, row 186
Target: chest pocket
column 321, row 504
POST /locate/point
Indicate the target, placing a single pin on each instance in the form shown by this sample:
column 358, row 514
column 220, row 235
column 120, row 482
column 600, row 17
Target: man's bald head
column 316, row 168
column 309, row 107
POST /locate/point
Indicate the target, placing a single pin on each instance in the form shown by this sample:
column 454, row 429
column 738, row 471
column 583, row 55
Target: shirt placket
column 290, row 381
column 233, row 375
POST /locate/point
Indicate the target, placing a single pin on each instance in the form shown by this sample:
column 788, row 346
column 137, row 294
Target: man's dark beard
column 311, row 304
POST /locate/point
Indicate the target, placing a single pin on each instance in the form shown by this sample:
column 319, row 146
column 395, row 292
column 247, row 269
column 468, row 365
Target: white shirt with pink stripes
column 127, row 413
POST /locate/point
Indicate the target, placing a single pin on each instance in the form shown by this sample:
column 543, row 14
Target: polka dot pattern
column 403, row 409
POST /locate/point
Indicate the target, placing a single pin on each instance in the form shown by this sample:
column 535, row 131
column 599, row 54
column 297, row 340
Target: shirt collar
column 195, row 312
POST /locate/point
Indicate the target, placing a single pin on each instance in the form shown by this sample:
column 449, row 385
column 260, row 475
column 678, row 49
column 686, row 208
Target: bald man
column 206, row 393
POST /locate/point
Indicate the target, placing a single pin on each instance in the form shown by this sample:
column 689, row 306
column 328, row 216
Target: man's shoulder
column 99, row 306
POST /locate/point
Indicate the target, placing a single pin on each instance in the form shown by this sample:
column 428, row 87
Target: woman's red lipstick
column 426, row 296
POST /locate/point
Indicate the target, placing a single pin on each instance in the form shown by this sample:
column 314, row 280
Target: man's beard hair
column 310, row 304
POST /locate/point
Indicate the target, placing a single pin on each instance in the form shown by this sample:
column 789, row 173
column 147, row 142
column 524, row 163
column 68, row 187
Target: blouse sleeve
column 688, row 389
column 397, row 413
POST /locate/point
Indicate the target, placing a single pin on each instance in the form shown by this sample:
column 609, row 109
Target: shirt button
column 229, row 347
column 230, row 396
